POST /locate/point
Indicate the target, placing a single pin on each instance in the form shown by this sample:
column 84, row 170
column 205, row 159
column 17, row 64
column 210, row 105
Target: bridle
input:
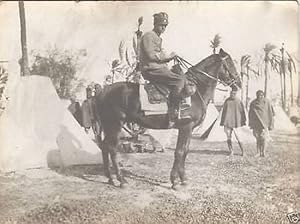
column 225, row 65
column 184, row 63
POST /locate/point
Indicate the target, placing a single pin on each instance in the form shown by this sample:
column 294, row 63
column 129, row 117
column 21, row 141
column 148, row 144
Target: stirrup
column 171, row 124
column 186, row 102
column 185, row 113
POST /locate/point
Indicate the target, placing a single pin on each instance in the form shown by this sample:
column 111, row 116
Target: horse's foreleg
column 183, row 140
column 105, row 157
column 182, row 176
column 107, row 167
column 114, row 159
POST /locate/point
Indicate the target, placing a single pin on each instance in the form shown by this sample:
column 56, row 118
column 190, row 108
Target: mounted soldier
column 154, row 68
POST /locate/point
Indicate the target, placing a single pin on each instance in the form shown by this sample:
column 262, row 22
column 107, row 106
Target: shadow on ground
column 85, row 172
column 210, row 152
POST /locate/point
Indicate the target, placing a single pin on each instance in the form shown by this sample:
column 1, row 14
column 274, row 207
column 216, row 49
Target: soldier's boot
column 172, row 115
column 173, row 107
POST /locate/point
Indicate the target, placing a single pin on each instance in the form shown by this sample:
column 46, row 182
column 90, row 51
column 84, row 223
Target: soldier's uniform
column 153, row 65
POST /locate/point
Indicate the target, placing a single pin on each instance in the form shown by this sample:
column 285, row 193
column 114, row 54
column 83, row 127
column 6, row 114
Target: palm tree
column 136, row 42
column 283, row 68
column 24, row 60
column 298, row 95
column 275, row 62
column 279, row 64
column 215, row 42
column 267, row 49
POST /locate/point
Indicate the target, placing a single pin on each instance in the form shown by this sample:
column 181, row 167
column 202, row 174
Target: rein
column 184, row 63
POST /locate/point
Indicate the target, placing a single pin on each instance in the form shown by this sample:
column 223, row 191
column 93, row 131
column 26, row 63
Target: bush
column 61, row 67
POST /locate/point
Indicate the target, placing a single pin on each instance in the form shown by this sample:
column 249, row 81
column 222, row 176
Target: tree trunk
column 298, row 97
column 281, row 87
column 284, row 92
column 266, row 75
column 292, row 88
column 284, row 78
column 24, row 59
column 242, row 81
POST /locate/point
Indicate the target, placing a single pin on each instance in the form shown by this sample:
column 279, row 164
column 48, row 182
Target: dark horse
column 121, row 104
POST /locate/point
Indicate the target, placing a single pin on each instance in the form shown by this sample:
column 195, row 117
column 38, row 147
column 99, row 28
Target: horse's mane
column 206, row 63
column 195, row 73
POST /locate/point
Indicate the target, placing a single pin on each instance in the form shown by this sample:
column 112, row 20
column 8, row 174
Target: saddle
column 158, row 93
column 155, row 97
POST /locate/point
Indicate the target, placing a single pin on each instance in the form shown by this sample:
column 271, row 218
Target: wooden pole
column 239, row 142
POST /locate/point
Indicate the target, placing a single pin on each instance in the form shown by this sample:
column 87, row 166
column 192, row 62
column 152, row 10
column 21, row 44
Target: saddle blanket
column 151, row 108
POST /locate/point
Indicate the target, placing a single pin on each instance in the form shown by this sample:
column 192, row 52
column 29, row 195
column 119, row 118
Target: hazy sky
column 98, row 27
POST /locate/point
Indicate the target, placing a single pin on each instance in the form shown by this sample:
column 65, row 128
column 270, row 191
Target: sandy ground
column 221, row 189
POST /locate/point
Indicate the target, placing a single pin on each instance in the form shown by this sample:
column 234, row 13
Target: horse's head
column 218, row 67
column 227, row 72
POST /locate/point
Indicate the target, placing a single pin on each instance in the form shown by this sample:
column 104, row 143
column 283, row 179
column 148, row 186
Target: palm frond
column 269, row 47
column 140, row 21
column 122, row 50
column 245, row 59
column 115, row 63
column 254, row 71
column 291, row 62
column 216, row 41
column 275, row 56
column 275, row 63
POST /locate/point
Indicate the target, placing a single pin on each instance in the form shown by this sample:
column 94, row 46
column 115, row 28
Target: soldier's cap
column 234, row 88
column 161, row 18
column 89, row 89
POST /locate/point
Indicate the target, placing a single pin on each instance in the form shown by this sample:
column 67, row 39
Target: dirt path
column 221, row 189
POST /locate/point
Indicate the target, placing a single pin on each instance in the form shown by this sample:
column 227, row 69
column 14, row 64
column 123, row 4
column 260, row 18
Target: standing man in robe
column 261, row 120
column 88, row 116
column 233, row 116
column 75, row 110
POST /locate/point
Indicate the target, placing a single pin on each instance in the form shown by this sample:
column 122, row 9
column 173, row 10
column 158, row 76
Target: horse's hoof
column 123, row 185
column 184, row 183
column 111, row 182
column 175, row 187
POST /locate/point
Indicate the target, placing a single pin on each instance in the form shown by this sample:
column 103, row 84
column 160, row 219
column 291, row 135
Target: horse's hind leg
column 112, row 144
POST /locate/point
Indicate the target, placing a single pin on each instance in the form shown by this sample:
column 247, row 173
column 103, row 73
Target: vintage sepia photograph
column 149, row 112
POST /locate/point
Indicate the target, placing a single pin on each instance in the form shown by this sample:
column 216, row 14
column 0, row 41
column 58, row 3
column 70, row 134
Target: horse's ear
column 222, row 52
